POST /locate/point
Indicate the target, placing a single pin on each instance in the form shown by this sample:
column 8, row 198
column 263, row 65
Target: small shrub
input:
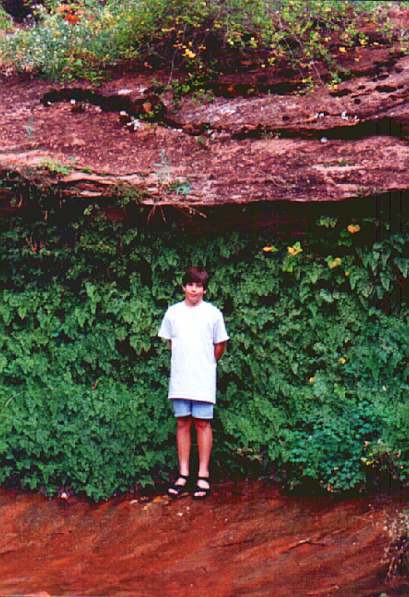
column 397, row 554
column 194, row 41
column 5, row 21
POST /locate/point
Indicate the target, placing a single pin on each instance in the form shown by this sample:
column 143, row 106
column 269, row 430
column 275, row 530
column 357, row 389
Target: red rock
column 235, row 150
column 247, row 540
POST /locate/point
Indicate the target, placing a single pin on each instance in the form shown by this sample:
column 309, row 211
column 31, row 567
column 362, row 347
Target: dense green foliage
column 5, row 20
column 313, row 388
column 192, row 40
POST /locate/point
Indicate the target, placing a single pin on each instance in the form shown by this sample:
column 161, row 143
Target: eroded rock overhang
column 328, row 145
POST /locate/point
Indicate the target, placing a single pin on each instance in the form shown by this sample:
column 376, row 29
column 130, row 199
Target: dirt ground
column 245, row 539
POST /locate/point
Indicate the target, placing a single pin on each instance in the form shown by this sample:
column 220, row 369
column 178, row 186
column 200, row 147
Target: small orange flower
column 353, row 228
column 270, row 249
column 295, row 249
column 70, row 18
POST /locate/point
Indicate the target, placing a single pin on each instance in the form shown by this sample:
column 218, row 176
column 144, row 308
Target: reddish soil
column 246, row 539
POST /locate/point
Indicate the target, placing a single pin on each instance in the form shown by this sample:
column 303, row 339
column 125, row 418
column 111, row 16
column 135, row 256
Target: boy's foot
column 202, row 489
column 179, row 487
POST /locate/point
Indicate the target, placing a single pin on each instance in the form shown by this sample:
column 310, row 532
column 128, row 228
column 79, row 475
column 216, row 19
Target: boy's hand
column 219, row 350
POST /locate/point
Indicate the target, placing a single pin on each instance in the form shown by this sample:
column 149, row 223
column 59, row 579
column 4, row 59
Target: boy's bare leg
column 183, row 440
column 204, row 444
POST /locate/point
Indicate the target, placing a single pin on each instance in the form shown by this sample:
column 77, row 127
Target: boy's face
column 194, row 293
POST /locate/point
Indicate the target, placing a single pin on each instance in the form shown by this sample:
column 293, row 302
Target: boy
column 197, row 337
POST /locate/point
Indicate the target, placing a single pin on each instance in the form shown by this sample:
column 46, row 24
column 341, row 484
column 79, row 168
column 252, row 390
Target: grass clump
column 196, row 40
column 6, row 23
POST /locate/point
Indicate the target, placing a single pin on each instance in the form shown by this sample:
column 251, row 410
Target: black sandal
column 204, row 490
column 175, row 491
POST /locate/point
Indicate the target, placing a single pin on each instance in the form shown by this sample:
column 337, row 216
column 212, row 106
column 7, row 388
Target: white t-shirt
column 193, row 332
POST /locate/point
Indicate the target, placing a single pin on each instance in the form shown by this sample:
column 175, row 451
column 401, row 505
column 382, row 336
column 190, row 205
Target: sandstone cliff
column 261, row 138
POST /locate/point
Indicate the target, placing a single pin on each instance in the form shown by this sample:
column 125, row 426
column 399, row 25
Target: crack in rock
column 146, row 105
column 385, row 126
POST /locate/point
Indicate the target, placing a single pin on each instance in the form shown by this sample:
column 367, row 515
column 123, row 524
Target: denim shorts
column 194, row 408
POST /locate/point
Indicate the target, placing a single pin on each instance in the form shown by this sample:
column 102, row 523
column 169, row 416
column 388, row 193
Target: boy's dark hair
column 196, row 274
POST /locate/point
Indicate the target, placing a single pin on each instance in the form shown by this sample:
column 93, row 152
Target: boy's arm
column 165, row 330
column 219, row 349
